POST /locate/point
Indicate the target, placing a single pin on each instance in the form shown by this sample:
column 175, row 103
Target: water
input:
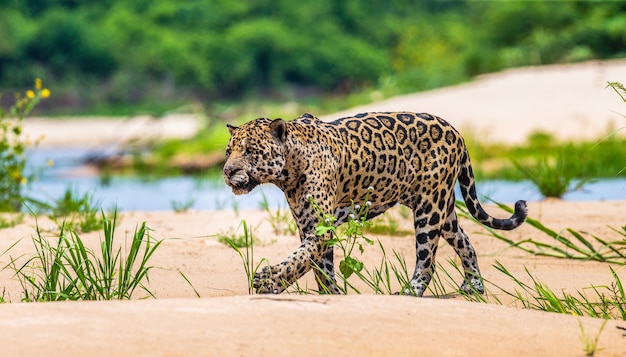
column 128, row 193
column 133, row 193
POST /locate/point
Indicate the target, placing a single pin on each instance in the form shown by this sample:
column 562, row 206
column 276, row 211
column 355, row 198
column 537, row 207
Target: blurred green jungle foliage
column 123, row 52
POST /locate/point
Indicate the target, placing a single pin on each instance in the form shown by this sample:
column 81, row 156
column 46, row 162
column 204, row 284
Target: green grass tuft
column 551, row 177
column 591, row 342
column 247, row 255
column 63, row 268
column 280, row 219
column 570, row 244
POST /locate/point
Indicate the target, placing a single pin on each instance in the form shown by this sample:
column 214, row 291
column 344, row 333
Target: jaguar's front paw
column 268, row 281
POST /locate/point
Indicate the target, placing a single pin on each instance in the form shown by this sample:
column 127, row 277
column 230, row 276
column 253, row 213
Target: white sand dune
column 569, row 101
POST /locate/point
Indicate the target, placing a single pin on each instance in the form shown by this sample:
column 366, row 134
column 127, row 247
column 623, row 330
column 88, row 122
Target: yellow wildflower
column 16, row 175
column 38, row 83
column 45, row 93
column 50, row 162
column 30, row 94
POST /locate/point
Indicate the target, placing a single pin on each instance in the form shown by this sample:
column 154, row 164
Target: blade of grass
column 190, row 284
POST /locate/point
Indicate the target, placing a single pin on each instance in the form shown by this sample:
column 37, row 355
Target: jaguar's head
column 255, row 154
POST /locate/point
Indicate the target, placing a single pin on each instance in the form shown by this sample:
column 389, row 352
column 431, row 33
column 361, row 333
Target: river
column 134, row 193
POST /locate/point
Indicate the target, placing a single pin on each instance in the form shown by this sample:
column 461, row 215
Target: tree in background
column 166, row 51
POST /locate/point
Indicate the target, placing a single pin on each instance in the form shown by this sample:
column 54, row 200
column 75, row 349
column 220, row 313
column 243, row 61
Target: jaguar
column 388, row 158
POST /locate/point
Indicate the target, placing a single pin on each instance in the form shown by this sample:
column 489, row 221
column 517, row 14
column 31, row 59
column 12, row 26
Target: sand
column 99, row 131
column 226, row 321
column 568, row 101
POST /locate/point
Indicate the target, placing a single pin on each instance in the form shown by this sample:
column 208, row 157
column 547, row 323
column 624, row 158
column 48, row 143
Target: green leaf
column 350, row 265
column 321, row 230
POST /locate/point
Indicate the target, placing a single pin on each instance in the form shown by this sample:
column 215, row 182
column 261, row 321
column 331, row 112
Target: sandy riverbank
column 228, row 322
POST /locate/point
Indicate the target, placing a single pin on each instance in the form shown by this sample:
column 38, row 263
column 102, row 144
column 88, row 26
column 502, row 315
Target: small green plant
column 233, row 238
column 247, row 255
column 222, row 204
column 10, row 220
column 590, row 342
column 551, row 176
column 405, row 212
column 63, row 268
column 81, row 212
column 347, row 239
column 280, row 219
column 183, row 206
column 13, row 147
column 385, row 278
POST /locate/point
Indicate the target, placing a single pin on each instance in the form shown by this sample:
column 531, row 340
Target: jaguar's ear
column 231, row 128
column 279, row 130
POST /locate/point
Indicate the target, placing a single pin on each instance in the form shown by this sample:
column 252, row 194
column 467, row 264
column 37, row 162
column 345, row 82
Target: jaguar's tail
column 468, row 189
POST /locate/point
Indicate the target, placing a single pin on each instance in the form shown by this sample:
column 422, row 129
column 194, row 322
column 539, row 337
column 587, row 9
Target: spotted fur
column 407, row 158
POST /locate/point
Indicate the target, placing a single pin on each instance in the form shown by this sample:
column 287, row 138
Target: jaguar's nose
column 229, row 170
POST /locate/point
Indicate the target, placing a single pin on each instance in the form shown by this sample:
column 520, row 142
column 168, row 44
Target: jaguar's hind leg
column 454, row 235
